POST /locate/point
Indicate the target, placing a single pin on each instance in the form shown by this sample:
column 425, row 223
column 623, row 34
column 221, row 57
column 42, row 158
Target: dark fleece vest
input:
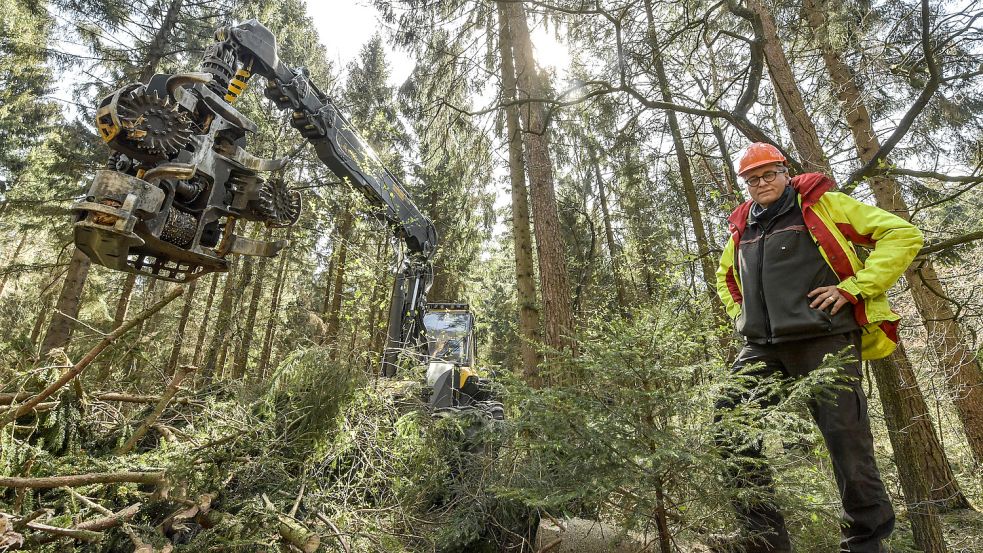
column 779, row 264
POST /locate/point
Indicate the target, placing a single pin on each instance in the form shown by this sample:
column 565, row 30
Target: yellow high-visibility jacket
column 837, row 223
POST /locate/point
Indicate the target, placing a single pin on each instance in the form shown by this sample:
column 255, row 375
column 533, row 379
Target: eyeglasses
column 767, row 177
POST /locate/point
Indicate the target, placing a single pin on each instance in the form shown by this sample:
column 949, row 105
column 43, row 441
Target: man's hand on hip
column 826, row 297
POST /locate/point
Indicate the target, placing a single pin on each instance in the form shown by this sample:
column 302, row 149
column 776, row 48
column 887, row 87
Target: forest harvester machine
column 180, row 177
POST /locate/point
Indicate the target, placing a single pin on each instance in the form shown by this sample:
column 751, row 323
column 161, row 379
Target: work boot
column 745, row 542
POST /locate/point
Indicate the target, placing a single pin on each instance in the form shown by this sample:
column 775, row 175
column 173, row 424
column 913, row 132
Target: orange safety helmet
column 758, row 154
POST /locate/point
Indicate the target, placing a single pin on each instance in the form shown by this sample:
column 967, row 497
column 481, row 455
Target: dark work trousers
column 867, row 515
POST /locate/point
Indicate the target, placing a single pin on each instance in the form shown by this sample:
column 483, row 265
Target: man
column 792, row 281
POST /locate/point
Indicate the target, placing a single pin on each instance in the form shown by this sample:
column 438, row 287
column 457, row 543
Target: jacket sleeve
column 728, row 287
column 895, row 244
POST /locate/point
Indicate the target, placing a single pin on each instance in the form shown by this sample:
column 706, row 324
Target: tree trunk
column 243, row 330
column 148, row 298
column 800, row 126
column 266, row 354
column 529, row 333
column 67, row 308
column 234, row 330
column 203, row 328
column 377, row 289
column 554, row 284
column 340, row 265
column 613, row 250
column 912, row 435
column 903, row 404
column 959, row 363
column 13, row 259
column 124, row 299
column 179, row 338
column 328, row 278
column 158, row 44
column 249, row 325
column 223, row 320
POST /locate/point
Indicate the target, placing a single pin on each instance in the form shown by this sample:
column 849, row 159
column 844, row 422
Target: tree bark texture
column 243, row 328
column 123, row 303
column 529, row 321
column 206, row 314
column 182, row 325
column 262, row 368
column 800, row 125
column 958, row 363
column 554, row 281
column 901, row 398
column 67, row 308
column 912, row 434
column 223, row 322
column 345, row 232
column 249, row 325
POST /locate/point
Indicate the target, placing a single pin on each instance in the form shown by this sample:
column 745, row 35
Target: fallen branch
column 24, row 408
column 292, row 531
column 40, row 408
column 21, row 523
column 131, row 398
column 113, row 520
column 337, row 532
column 8, row 398
column 166, row 432
column 82, row 479
column 74, row 533
column 169, row 393
column 97, row 525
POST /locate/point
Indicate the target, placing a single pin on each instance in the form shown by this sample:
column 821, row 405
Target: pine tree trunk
column 371, row 328
column 179, row 337
column 262, row 368
column 243, row 330
column 554, row 282
column 148, row 299
column 529, row 333
column 328, row 278
column 67, row 307
column 803, row 131
column 203, row 327
column 902, row 402
column 13, row 259
column 223, row 320
column 613, row 250
column 158, row 44
column 122, row 305
column 961, row 367
column 340, row 266
column 242, row 354
column 913, row 437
